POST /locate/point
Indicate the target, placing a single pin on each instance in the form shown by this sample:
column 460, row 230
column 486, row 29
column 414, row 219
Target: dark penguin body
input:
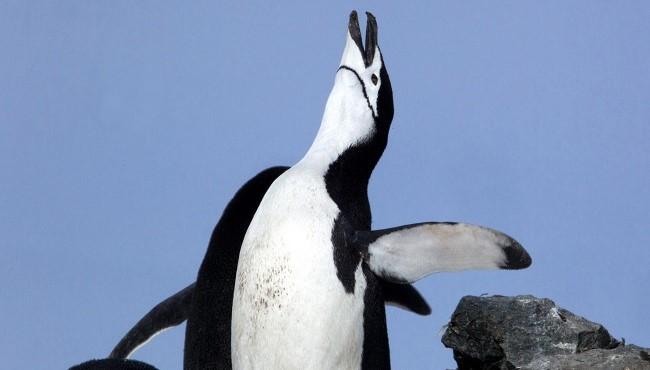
column 207, row 335
column 206, row 304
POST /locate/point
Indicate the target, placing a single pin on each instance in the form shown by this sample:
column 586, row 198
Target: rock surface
column 525, row 332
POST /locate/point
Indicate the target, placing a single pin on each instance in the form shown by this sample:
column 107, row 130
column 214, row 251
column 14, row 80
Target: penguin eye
column 374, row 79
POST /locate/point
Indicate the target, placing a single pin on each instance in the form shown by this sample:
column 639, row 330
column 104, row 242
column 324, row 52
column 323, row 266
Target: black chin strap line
column 363, row 88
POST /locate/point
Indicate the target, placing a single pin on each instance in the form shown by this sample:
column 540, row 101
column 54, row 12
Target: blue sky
column 125, row 127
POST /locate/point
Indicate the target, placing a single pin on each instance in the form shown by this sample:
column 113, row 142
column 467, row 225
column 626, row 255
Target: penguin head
column 360, row 106
column 362, row 67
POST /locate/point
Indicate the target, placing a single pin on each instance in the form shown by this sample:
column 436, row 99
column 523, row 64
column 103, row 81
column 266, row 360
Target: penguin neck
column 347, row 123
column 346, row 151
column 346, row 170
column 349, row 143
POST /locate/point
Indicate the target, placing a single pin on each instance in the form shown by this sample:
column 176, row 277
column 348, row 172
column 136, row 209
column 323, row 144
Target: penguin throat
column 347, row 178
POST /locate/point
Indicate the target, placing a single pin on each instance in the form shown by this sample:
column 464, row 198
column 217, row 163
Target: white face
column 351, row 62
column 351, row 109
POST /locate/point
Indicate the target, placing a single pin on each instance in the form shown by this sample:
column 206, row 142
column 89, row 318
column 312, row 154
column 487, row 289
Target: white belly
column 290, row 311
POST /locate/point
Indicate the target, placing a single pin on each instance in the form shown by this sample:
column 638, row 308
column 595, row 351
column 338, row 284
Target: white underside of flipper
column 413, row 252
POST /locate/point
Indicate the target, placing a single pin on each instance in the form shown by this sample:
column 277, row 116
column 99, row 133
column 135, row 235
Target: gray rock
column 533, row 333
column 628, row 357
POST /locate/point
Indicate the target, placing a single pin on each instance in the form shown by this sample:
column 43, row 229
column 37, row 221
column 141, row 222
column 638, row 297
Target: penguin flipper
column 174, row 310
column 170, row 312
column 178, row 308
column 408, row 253
column 406, row 297
column 207, row 333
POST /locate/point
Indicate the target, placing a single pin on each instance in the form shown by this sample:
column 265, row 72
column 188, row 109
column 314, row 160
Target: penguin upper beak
column 368, row 53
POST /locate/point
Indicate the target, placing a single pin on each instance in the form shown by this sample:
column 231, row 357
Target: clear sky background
column 125, row 127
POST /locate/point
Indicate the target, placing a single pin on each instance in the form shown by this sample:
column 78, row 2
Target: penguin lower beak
column 368, row 53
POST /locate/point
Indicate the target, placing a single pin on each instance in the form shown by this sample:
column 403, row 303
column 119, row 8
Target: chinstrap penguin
column 307, row 292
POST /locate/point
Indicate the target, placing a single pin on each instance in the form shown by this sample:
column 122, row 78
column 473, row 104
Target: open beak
column 371, row 36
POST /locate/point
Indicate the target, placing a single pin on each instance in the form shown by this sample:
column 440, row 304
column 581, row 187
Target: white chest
column 289, row 308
